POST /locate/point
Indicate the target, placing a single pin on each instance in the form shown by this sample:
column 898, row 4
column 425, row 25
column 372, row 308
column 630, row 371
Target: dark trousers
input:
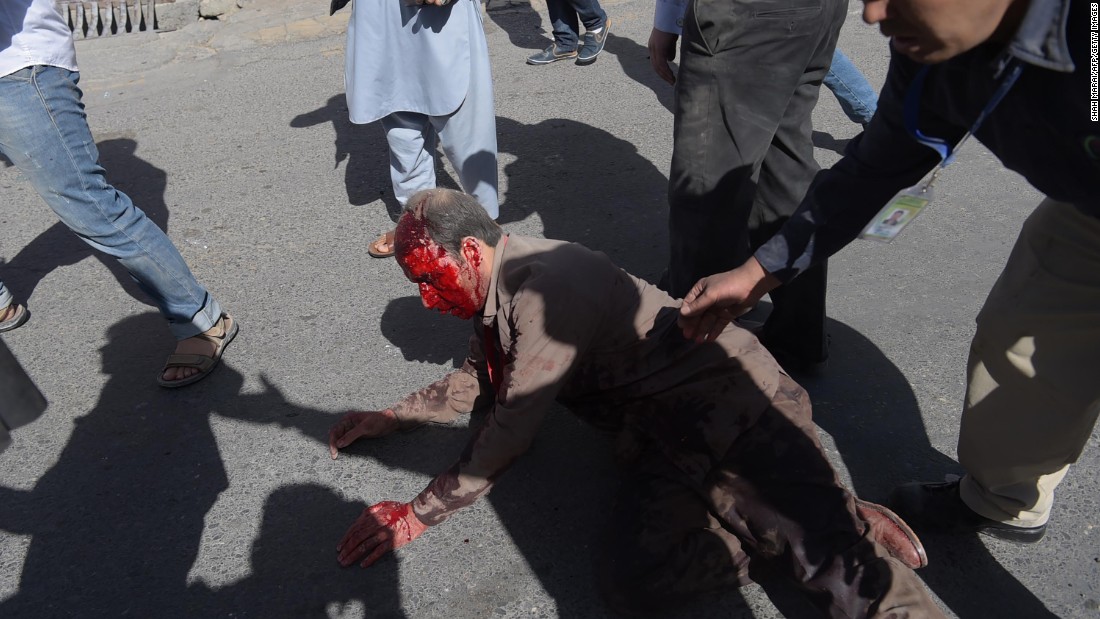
column 742, row 158
column 564, row 18
column 772, row 503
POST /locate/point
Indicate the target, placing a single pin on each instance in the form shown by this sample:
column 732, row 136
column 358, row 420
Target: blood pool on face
column 445, row 284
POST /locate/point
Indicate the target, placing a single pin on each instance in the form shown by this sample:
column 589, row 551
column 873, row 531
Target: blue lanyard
column 945, row 151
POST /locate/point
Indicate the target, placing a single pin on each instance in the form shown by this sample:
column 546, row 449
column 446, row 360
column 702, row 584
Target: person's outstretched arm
column 535, row 366
column 463, row 391
column 877, row 164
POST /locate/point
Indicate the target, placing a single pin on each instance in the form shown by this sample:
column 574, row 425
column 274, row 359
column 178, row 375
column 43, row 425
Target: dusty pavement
column 220, row 501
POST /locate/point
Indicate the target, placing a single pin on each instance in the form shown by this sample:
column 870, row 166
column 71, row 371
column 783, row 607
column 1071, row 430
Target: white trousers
column 468, row 136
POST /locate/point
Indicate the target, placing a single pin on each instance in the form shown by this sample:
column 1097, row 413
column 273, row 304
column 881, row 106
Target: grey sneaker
column 551, row 54
column 593, row 44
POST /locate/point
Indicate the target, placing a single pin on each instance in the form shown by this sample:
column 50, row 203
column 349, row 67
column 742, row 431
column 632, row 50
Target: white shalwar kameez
column 423, row 70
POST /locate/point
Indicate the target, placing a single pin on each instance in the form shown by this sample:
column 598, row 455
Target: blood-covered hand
column 381, row 528
column 358, row 424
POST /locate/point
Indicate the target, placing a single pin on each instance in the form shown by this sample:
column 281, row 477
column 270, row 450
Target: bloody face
column 448, row 284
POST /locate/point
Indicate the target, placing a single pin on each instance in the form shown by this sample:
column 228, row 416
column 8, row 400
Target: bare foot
column 195, row 346
column 8, row 312
column 382, row 247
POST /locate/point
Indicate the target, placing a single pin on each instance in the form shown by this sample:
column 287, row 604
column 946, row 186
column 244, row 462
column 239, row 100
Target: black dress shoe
column 938, row 507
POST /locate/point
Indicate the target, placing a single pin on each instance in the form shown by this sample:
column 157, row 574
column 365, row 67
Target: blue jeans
column 564, row 17
column 44, row 132
column 856, row 97
column 5, row 297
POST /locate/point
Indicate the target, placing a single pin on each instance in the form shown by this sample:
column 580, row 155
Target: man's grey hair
column 450, row 216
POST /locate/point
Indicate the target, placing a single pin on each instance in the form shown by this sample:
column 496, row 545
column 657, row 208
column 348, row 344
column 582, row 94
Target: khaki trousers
column 1033, row 389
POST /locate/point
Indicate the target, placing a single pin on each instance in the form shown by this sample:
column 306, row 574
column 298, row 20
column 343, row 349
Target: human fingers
column 720, row 319
column 359, row 543
column 353, row 434
column 333, row 435
column 662, row 68
column 704, row 328
column 670, row 55
column 731, row 290
column 380, row 544
column 337, row 433
column 659, row 55
column 368, row 547
column 380, row 516
column 689, row 325
column 666, row 73
column 698, row 299
column 363, row 526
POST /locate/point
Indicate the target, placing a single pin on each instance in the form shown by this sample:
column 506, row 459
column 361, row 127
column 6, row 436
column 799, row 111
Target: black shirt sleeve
column 877, row 164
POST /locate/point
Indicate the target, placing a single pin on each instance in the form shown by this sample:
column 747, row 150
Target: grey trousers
column 742, row 158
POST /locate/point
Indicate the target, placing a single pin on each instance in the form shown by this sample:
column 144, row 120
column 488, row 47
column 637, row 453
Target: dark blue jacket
column 1042, row 129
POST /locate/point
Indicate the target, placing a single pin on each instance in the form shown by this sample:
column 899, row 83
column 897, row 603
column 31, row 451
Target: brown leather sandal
column 203, row 363
column 375, row 248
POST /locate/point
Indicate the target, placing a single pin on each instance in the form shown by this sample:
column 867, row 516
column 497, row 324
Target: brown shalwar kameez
column 726, row 466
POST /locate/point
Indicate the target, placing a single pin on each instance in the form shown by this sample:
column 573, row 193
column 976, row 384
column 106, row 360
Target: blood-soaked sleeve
column 465, row 390
column 542, row 341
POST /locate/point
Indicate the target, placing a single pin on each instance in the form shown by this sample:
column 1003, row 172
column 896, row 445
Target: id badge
column 898, row 212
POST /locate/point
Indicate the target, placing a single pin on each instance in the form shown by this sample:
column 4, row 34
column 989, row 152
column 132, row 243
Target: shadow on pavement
column 58, row 247
column 363, row 147
column 867, row 405
column 522, row 23
column 545, row 502
column 116, row 524
column 555, row 501
column 587, row 186
column 120, row 517
column 634, row 59
column 423, row 336
column 294, row 570
column 828, row 142
column 525, row 30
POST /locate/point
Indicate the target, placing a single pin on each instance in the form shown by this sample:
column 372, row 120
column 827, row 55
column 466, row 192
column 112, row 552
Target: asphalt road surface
column 219, row 500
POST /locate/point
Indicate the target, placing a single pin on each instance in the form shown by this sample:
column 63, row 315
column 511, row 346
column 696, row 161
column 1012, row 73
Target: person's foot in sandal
column 382, row 247
column 12, row 317
column 196, row 357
